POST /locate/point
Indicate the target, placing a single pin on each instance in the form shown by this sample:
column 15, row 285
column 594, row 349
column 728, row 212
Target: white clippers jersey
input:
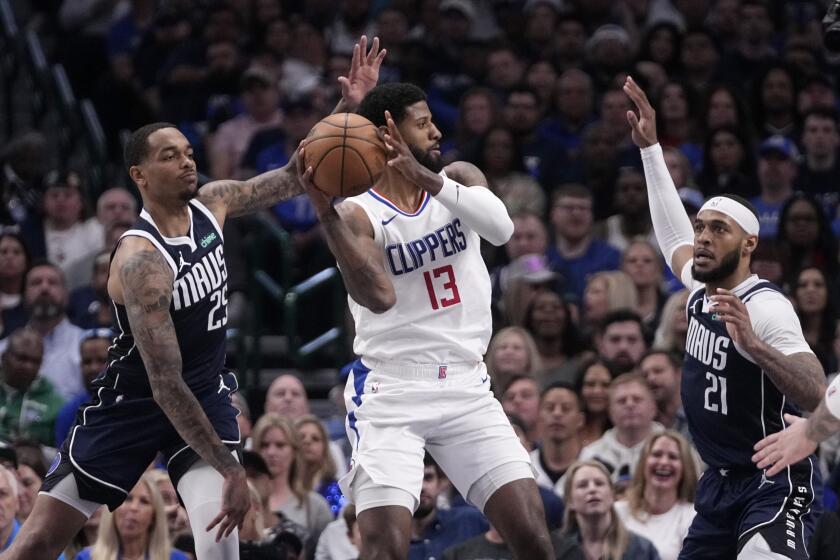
column 442, row 311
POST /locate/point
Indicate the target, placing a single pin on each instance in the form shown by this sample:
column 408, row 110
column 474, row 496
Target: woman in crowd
column 673, row 325
column 661, row 44
column 728, row 163
column 14, row 262
column 590, row 517
column 176, row 515
column 135, row 530
column 593, row 388
column 512, row 351
column 319, row 470
column 276, row 440
column 805, row 238
column 659, row 504
column 724, row 107
column 549, row 320
column 812, row 297
column 477, row 112
column 31, row 472
column 604, row 292
column 678, row 123
column 642, row 263
column 500, row 158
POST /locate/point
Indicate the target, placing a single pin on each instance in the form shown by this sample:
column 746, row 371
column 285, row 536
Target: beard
column 423, row 510
column 426, row 159
column 622, row 363
column 728, row 264
column 45, row 309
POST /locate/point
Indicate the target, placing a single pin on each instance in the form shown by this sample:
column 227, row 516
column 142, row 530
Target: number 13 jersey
column 442, row 310
column 730, row 402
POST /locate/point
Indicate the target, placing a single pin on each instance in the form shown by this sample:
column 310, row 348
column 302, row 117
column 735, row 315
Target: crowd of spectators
column 589, row 323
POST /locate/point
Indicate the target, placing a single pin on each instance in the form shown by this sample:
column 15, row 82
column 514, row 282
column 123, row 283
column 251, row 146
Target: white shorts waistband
column 421, row 371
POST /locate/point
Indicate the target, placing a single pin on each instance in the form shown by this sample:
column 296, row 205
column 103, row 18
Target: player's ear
column 137, row 176
column 749, row 244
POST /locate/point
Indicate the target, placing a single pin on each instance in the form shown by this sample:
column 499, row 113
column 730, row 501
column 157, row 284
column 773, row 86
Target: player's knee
column 757, row 548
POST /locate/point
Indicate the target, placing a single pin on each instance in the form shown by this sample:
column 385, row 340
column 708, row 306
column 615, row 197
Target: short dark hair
column 137, row 148
column 673, row 358
column 389, row 97
column 561, row 385
column 822, row 113
column 570, row 190
column 38, row 263
column 744, row 202
column 619, row 316
column 429, row 461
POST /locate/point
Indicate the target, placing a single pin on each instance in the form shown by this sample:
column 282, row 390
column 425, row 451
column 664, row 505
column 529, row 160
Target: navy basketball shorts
column 117, row 436
column 733, row 506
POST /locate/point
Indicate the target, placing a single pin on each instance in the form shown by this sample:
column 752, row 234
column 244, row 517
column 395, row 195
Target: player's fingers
column 355, row 60
column 633, row 120
column 344, row 81
column 379, row 58
column 633, row 92
column 363, row 50
column 792, row 419
column 775, row 469
column 374, row 50
column 640, row 94
column 216, row 521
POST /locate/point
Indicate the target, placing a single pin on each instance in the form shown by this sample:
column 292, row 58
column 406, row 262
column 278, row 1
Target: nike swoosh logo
column 484, row 379
column 389, row 220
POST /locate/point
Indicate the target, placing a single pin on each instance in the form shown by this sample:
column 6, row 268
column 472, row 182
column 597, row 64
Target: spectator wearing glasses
column 29, row 402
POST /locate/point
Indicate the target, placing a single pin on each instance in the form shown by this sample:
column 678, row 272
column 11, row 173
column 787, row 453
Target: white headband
column 735, row 210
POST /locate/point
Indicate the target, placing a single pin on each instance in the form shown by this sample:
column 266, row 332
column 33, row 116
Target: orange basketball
column 345, row 153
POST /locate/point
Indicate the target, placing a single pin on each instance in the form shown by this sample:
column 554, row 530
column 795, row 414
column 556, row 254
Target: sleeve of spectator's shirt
column 775, row 322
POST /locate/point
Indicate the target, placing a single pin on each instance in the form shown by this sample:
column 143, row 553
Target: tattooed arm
column 799, row 376
column 144, row 284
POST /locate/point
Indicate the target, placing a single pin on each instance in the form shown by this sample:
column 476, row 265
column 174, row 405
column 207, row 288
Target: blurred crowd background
column 589, row 324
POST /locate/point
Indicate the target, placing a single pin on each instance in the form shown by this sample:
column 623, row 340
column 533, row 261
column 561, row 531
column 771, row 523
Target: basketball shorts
column 732, row 507
column 398, row 411
column 117, row 436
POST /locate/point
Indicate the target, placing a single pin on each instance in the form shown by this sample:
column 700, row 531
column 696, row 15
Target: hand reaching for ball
column 363, row 74
column 320, row 200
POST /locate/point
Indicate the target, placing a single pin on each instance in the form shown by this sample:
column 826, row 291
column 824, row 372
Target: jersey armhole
column 210, row 216
column 374, row 221
column 151, row 238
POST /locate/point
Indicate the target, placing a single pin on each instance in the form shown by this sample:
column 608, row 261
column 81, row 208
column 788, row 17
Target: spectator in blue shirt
column 434, row 530
column 575, row 250
column 778, row 163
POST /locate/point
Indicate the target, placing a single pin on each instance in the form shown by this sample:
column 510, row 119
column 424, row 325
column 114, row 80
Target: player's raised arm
column 235, row 198
column 673, row 229
column 350, row 238
column 480, row 209
column 144, row 283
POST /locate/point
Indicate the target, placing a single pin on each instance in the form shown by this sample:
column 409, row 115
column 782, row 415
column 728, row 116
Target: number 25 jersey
column 442, row 310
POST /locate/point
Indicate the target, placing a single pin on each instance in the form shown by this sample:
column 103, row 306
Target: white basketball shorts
column 396, row 411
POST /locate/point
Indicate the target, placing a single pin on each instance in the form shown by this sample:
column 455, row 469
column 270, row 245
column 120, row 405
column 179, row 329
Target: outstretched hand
column 643, row 125
column 731, row 310
column 364, row 72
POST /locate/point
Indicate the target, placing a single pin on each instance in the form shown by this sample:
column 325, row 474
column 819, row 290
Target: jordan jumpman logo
column 183, row 263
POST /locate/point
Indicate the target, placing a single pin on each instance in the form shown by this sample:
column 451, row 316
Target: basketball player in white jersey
column 408, row 250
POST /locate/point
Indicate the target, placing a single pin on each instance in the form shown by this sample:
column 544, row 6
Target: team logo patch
column 208, row 239
column 441, row 372
column 55, row 463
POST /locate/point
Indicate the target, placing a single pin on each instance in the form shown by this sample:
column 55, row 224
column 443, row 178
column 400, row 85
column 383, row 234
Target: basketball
column 345, row 153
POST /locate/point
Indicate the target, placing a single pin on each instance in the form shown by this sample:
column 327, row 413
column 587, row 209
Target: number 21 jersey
column 730, row 402
column 442, row 310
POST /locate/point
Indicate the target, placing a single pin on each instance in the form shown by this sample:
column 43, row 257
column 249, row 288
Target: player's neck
column 732, row 281
column 172, row 220
column 398, row 190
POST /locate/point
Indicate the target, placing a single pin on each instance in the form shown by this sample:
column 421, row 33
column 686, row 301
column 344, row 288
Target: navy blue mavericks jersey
column 198, row 308
column 729, row 401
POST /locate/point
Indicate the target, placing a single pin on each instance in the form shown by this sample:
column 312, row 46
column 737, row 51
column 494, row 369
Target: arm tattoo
column 245, row 197
column 147, row 289
column 822, row 424
column 359, row 261
column 799, row 377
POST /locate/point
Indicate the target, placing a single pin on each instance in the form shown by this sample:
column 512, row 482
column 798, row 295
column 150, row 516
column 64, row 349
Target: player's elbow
column 382, row 302
column 503, row 233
